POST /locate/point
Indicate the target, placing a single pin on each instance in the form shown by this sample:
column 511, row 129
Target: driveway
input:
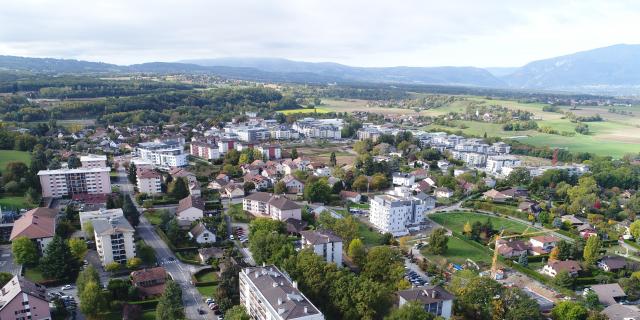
column 6, row 261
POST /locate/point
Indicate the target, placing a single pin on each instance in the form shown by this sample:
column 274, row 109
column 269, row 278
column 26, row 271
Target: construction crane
column 494, row 263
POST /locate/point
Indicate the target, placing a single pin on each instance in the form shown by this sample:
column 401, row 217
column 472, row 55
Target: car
column 67, row 287
column 209, row 300
column 211, row 306
column 217, row 312
column 200, row 311
column 231, row 237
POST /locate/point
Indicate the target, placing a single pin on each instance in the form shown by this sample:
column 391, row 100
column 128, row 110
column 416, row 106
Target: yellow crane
column 494, row 263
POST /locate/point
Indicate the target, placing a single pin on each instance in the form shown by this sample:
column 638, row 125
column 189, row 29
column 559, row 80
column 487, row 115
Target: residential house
column 553, row 267
column 543, row 244
column 608, row 294
column 443, row 192
column 352, row 196
column 276, row 207
column 22, row 299
column 202, row 234
column 233, row 190
column 195, row 190
column 422, row 186
column 294, row 185
column 398, row 211
column 149, row 282
column 183, row 173
column 495, row 196
column 573, row 220
column 37, row 224
column 324, row 243
column 190, row 209
column 206, row 254
column 612, row 263
column 621, row 312
column 434, row 299
column 512, row 248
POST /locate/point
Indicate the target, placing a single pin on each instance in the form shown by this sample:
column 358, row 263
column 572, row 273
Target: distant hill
column 614, row 69
column 468, row 76
column 50, row 65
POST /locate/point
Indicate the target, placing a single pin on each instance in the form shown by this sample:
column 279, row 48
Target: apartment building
column 472, row 159
column 268, row 294
column 324, row 243
column 403, row 179
column 434, row 299
column 149, row 181
column 66, row 182
column 114, row 240
column 498, row 164
column 276, row 207
column 398, row 211
column 204, row 150
column 163, row 153
column 251, row 134
column 270, row 152
column 21, row 299
column 319, row 128
column 94, row 161
column 107, row 214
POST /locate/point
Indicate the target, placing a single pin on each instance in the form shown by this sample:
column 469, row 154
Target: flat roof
column 76, row 170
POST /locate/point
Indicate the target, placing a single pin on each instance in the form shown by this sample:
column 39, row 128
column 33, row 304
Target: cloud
column 357, row 32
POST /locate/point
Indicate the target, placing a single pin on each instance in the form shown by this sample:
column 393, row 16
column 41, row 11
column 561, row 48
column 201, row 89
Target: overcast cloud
column 360, row 33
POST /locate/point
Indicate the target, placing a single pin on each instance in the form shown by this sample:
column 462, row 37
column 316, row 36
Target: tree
column 15, row 171
column 130, row 211
column 357, row 252
column 554, row 254
column 634, row 228
column 92, row 302
column 32, row 196
column 134, row 263
column 173, row 231
column 410, row 311
column 280, row 187
column 591, row 301
column 73, row 162
column 591, row 251
column 132, row 174
column 78, row 248
column 89, row 274
column 5, row 277
column 236, row 312
column 113, row 266
column 384, row 265
column 467, row 228
column 270, row 247
column 317, row 191
column 523, row 260
column 24, row 251
column 145, row 253
column 248, row 186
column 88, row 230
column 379, row 181
column 565, row 250
column 332, row 159
column 437, row 243
column 361, row 183
column 170, row 303
column 564, row 279
column 294, row 154
column 519, row 176
column 569, row 310
column 179, row 188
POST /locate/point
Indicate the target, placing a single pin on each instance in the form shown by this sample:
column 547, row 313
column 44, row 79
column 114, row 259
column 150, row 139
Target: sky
column 354, row 32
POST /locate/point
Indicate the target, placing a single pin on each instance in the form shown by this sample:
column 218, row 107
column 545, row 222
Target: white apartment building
column 94, row 161
column 276, row 207
column 324, row 243
column 572, row 169
column 149, row 181
column 473, row 159
column 398, row 211
column 403, row 179
column 498, row 164
column 204, row 150
column 248, row 133
column 280, row 133
column 167, row 153
column 319, row 128
column 64, row 182
column 114, row 240
column 99, row 214
column 268, row 294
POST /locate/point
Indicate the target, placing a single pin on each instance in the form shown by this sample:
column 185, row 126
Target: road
column 180, row 272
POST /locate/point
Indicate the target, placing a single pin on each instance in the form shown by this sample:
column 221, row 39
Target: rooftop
column 76, row 170
column 113, row 225
column 320, row 236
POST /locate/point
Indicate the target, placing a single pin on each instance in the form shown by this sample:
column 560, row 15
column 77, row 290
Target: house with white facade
column 190, row 208
column 277, row 207
column 202, row 234
column 294, row 185
column 324, row 243
column 434, row 299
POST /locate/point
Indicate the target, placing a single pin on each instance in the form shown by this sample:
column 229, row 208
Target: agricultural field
column 456, row 221
column 7, row 156
column 354, row 105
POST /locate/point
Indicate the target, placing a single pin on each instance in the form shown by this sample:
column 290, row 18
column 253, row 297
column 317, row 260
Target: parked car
column 67, row 287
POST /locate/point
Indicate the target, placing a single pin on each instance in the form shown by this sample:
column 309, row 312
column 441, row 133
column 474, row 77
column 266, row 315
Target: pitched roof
column 348, row 194
column 608, row 292
column 18, row 285
column 190, row 202
column 283, row 203
column 212, row 252
column 426, row 295
column 320, row 236
column 621, row 312
column 545, row 239
column 198, row 230
column 289, row 178
column 157, row 273
column 147, row 174
column 35, row 224
column 259, row 196
column 614, row 262
column 567, row 265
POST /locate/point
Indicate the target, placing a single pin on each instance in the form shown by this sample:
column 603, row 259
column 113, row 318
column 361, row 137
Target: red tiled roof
column 190, row 202
column 157, row 273
column 35, row 224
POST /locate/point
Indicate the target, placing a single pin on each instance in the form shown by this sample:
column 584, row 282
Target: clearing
column 456, row 221
column 7, row 156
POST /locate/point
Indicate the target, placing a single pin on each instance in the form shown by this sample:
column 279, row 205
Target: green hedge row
column 164, row 238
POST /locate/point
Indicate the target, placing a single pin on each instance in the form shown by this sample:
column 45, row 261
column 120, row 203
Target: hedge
column 164, row 238
column 488, row 206
column 185, row 260
column 145, row 304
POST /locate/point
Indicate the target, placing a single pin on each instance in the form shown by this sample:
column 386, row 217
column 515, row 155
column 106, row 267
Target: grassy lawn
column 369, row 237
column 207, row 291
column 153, row 217
column 306, row 110
column 456, row 221
column 238, row 214
column 207, row 277
column 34, row 275
column 7, row 156
column 14, row 202
column 458, row 252
column 149, row 315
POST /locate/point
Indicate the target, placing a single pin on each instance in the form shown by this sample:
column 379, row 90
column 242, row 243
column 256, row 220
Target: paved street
column 6, row 260
column 180, row 272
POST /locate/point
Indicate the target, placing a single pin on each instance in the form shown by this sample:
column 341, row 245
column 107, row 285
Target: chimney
column 434, row 294
column 279, row 301
column 295, row 284
column 275, row 284
column 306, row 310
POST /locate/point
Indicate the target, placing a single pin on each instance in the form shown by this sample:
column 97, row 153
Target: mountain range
column 612, row 70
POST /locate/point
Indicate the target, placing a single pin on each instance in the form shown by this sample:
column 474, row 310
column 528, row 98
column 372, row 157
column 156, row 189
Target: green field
column 456, row 221
column 459, row 251
column 207, row 291
column 7, row 156
column 207, row 277
column 14, row 202
column 369, row 237
column 306, row 110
